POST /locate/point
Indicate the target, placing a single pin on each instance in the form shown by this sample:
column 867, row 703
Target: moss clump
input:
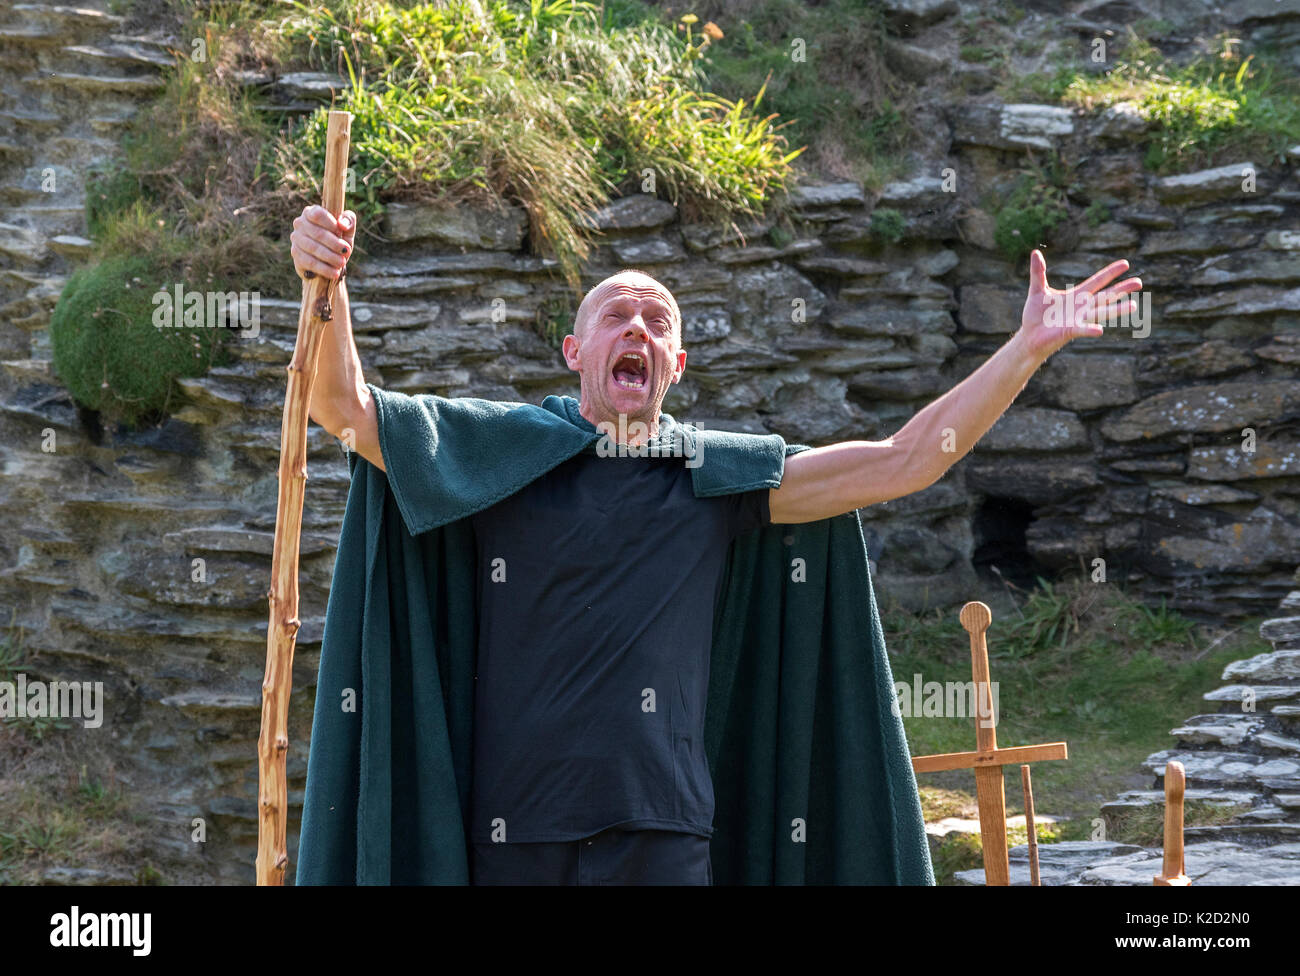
column 107, row 348
column 888, row 224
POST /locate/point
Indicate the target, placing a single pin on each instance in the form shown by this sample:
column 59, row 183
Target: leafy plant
column 1035, row 206
column 1098, row 212
column 888, row 224
column 1151, row 626
column 825, row 74
column 37, row 727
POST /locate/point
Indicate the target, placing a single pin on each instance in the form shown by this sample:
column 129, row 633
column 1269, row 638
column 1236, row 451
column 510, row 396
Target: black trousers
column 611, row 857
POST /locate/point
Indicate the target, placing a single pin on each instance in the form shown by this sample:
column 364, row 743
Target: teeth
column 641, row 362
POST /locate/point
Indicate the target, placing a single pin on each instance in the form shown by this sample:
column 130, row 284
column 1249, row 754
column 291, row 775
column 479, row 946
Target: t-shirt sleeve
column 749, row 510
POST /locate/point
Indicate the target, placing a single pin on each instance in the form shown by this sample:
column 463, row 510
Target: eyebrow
column 656, row 303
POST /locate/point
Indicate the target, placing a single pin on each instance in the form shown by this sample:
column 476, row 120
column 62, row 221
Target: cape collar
column 568, row 408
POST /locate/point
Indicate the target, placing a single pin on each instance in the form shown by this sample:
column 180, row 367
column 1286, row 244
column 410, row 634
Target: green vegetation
column 555, row 320
column 824, row 73
column 1146, row 825
column 1098, row 212
column 961, row 851
column 555, row 106
column 1035, row 204
column 12, row 662
column 1204, row 112
column 1217, row 107
column 48, row 822
column 540, row 103
column 1079, row 662
column 977, row 53
column 52, row 811
column 107, row 348
column 1152, row 27
column 888, row 224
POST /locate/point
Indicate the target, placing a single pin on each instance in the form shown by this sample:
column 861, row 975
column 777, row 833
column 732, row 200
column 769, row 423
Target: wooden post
column 987, row 760
column 282, row 631
column 1029, row 825
column 1172, row 875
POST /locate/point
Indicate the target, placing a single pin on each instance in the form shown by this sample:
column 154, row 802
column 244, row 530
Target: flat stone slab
column 1138, row 799
column 1231, row 768
column 1206, row 184
column 1214, row 863
column 1058, row 864
column 1228, row 730
column 1211, row 863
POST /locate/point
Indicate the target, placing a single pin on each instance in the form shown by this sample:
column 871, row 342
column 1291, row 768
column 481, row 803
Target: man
column 603, row 582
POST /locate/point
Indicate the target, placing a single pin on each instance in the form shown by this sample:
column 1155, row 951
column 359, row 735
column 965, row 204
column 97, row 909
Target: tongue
column 628, row 374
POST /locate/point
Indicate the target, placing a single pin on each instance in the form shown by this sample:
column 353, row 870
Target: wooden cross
column 1173, row 874
column 987, row 760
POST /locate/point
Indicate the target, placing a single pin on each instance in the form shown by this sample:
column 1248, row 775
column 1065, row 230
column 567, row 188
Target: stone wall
column 1122, row 448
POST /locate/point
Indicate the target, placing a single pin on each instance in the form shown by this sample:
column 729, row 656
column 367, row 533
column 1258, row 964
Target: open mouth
column 630, row 371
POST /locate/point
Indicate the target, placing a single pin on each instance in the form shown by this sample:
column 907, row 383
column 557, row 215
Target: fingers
column 1105, row 303
column 1104, row 276
column 305, row 230
column 333, row 255
column 316, row 244
column 1103, row 314
column 1119, row 290
column 318, row 215
column 310, row 256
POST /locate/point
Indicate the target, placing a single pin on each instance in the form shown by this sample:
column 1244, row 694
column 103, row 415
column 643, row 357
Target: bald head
column 637, row 279
column 626, row 347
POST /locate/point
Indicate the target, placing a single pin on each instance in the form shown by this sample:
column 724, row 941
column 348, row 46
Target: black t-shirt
column 596, row 596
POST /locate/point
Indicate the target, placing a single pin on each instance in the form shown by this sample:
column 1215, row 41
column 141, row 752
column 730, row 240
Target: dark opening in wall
column 999, row 530
column 90, row 424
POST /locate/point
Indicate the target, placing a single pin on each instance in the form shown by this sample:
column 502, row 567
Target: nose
column 636, row 329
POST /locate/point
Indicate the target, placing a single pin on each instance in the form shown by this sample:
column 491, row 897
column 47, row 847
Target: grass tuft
column 1218, row 107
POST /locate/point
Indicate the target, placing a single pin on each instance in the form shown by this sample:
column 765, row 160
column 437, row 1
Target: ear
column 570, row 349
column 681, row 366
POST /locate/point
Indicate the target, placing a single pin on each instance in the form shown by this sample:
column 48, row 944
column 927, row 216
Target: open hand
column 1052, row 316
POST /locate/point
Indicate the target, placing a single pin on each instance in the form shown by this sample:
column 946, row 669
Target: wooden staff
column 282, row 633
column 1174, row 874
column 1029, row 824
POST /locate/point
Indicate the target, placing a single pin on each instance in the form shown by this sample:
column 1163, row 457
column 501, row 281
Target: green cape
column 812, row 778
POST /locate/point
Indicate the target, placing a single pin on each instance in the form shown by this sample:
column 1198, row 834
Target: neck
column 631, row 430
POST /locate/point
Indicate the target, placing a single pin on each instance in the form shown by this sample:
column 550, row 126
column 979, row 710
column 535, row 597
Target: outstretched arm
column 832, row 480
